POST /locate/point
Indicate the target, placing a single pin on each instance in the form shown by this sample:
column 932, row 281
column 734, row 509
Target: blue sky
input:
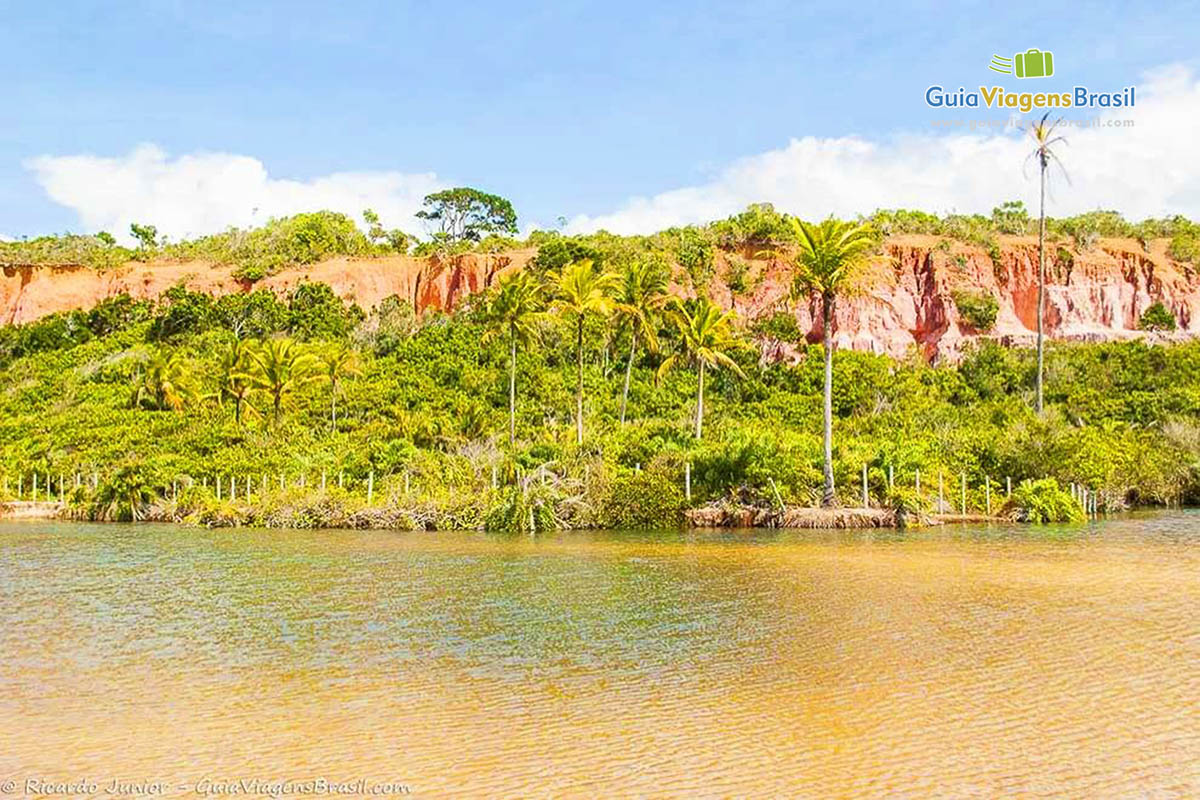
column 568, row 109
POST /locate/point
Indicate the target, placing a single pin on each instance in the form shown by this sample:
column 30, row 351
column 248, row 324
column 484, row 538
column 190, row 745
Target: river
column 951, row 662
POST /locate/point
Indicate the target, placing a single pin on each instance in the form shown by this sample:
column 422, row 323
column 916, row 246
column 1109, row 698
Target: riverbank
column 30, row 509
column 712, row 516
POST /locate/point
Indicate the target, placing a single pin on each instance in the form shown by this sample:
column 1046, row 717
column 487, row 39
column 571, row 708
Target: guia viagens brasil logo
column 1032, row 63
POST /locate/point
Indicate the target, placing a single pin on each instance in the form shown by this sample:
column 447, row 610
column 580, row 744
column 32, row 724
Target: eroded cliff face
column 906, row 303
column 28, row 293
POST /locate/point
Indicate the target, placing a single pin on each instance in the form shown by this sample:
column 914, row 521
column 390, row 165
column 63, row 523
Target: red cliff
column 907, row 299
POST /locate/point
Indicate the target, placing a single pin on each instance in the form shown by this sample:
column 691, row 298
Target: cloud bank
column 1149, row 169
column 208, row 192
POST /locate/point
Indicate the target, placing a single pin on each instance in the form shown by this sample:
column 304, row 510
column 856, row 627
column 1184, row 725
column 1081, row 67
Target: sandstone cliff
column 907, row 302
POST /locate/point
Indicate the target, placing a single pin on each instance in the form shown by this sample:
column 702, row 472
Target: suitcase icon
column 1034, row 63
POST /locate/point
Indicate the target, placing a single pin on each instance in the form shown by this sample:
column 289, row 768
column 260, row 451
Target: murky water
column 962, row 663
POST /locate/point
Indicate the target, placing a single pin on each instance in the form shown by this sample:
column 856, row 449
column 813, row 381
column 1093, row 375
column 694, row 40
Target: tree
column 828, row 260
column 1045, row 139
column 147, row 235
column 641, row 296
column 516, row 310
column 237, row 377
column 162, row 383
column 338, row 362
column 582, row 291
column 128, row 494
column 705, row 334
column 283, row 368
column 464, row 214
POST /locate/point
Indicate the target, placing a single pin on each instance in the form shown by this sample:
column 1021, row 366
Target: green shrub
column 1157, row 318
column 647, row 499
column 1043, row 501
column 979, row 310
column 523, row 509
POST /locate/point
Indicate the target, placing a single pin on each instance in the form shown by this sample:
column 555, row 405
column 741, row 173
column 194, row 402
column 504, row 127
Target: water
column 968, row 662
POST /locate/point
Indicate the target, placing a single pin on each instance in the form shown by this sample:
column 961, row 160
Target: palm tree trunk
column 512, row 389
column 700, row 403
column 579, row 387
column 827, row 301
column 1041, row 288
column 628, row 373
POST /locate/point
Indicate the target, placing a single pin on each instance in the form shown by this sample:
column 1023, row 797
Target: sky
column 618, row 115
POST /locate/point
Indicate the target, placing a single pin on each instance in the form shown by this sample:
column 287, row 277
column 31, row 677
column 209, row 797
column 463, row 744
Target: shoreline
column 702, row 518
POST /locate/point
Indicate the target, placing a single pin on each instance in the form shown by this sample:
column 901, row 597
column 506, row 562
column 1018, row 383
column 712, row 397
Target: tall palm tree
column 1045, row 138
column 705, row 333
column 162, row 383
column 581, row 291
column 337, row 363
column 236, row 377
column 641, row 296
column 828, row 260
column 283, row 368
column 516, row 310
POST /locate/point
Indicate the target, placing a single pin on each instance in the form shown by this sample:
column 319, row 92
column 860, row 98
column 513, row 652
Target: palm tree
column 582, row 291
column 642, row 294
column 338, row 362
column 1044, row 137
column 162, row 383
column 127, row 495
column 705, row 333
column 516, row 309
column 828, row 260
column 236, row 377
column 282, row 369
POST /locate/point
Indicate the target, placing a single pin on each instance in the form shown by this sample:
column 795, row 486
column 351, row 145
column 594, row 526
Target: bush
column 1157, row 318
column 1043, row 501
column 977, row 309
column 649, row 499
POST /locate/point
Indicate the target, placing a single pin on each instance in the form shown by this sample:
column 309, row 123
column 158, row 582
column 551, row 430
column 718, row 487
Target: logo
column 1033, row 63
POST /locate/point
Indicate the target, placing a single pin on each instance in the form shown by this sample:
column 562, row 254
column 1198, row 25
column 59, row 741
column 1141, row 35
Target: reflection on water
column 970, row 662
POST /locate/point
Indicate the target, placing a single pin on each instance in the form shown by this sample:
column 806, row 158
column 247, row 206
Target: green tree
column 162, row 383
column 237, row 377
column 283, row 368
column 336, row 364
column 1045, row 139
column 641, row 296
column 705, row 334
column 581, row 291
column 465, row 214
column 127, row 495
column 147, row 235
column 829, row 259
column 516, row 310
column 1157, row 318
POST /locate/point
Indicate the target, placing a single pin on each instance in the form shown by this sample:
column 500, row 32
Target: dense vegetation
column 575, row 393
column 163, row 402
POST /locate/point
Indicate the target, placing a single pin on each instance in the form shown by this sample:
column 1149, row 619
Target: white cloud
column 207, row 192
column 1150, row 169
